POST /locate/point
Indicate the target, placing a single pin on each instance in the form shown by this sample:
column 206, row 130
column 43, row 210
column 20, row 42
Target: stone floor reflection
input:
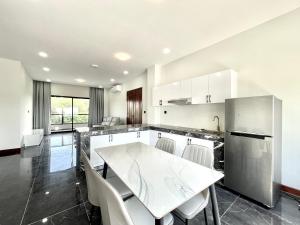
column 42, row 186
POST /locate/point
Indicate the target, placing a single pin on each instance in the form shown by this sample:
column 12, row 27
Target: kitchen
column 234, row 94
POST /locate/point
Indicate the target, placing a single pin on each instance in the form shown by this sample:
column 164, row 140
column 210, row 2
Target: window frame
column 72, row 115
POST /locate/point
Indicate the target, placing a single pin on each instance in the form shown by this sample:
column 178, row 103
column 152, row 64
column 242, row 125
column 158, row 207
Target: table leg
column 158, row 222
column 104, row 170
column 215, row 209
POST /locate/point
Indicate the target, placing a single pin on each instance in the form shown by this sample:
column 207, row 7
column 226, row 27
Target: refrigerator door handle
column 249, row 135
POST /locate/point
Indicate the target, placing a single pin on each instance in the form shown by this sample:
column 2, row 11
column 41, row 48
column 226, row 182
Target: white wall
column 267, row 61
column 15, row 103
column 118, row 103
column 69, row 90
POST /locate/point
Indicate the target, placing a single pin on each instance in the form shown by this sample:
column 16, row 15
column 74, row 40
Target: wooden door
column 134, row 106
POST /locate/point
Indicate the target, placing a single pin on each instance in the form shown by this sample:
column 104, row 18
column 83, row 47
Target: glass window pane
column 56, row 119
column 61, row 105
column 80, row 106
column 80, row 119
column 67, row 119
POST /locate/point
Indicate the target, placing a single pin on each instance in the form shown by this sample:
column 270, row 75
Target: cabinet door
column 144, row 137
column 153, row 137
column 203, row 142
column 123, row 138
column 181, row 141
column 199, row 89
column 98, row 142
column 169, row 92
column 221, row 86
column 186, row 89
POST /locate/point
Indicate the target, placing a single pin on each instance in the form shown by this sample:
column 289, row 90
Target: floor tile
column 16, row 179
column 73, row 216
column 245, row 212
column 50, row 199
column 287, row 208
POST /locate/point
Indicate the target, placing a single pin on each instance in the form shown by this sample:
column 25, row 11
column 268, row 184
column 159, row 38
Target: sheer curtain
column 41, row 106
column 96, row 108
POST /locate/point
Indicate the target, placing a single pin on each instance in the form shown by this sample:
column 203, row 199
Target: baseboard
column 7, row 152
column 290, row 190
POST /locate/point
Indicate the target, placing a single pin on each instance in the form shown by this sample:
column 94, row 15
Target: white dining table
column 160, row 180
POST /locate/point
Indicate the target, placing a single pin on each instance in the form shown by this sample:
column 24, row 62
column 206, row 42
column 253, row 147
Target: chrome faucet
column 218, row 127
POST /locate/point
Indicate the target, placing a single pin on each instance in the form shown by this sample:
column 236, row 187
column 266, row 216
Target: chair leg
column 186, row 222
column 93, row 210
column 205, row 216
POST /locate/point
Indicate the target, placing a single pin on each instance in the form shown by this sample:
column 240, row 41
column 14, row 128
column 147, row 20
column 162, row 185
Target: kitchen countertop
column 190, row 132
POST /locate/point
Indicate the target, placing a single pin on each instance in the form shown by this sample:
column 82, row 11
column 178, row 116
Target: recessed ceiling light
column 112, row 80
column 48, row 80
column 47, row 193
column 166, row 51
column 43, row 54
column 46, row 69
column 80, row 80
column 44, row 220
column 123, row 56
column 125, row 72
column 94, row 65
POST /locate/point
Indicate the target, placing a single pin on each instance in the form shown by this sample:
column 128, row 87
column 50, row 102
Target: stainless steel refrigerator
column 253, row 147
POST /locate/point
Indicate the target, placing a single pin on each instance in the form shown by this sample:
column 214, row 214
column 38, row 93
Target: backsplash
column 194, row 116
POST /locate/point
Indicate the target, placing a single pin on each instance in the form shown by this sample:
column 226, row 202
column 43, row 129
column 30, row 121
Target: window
column 68, row 113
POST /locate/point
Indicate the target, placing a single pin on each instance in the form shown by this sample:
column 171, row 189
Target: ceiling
column 76, row 34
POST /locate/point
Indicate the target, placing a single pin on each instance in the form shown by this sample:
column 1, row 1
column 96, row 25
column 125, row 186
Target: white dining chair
column 90, row 181
column 115, row 211
column 205, row 157
column 165, row 144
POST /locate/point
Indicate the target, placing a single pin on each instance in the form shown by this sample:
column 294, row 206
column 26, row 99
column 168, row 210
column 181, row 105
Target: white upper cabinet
column 222, row 85
column 200, row 90
column 186, row 89
column 168, row 92
column 210, row 88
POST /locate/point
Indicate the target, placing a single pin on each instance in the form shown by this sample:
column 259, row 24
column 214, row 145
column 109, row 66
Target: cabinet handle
column 108, row 138
column 159, row 135
column 111, row 137
column 138, row 135
column 160, row 102
column 209, row 98
column 206, row 98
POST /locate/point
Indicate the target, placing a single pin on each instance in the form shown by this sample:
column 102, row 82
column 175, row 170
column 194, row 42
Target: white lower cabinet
column 144, row 137
column 115, row 139
column 98, row 142
column 149, row 137
column 153, row 137
column 203, row 142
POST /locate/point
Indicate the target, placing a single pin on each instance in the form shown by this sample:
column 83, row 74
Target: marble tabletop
column 161, row 181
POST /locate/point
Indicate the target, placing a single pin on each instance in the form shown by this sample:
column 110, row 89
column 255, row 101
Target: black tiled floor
column 42, row 186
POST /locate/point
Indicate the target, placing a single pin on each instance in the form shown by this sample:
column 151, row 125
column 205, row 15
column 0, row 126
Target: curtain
column 96, row 108
column 41, row 106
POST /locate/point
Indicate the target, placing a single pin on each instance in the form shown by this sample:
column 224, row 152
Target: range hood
column 181, row 101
